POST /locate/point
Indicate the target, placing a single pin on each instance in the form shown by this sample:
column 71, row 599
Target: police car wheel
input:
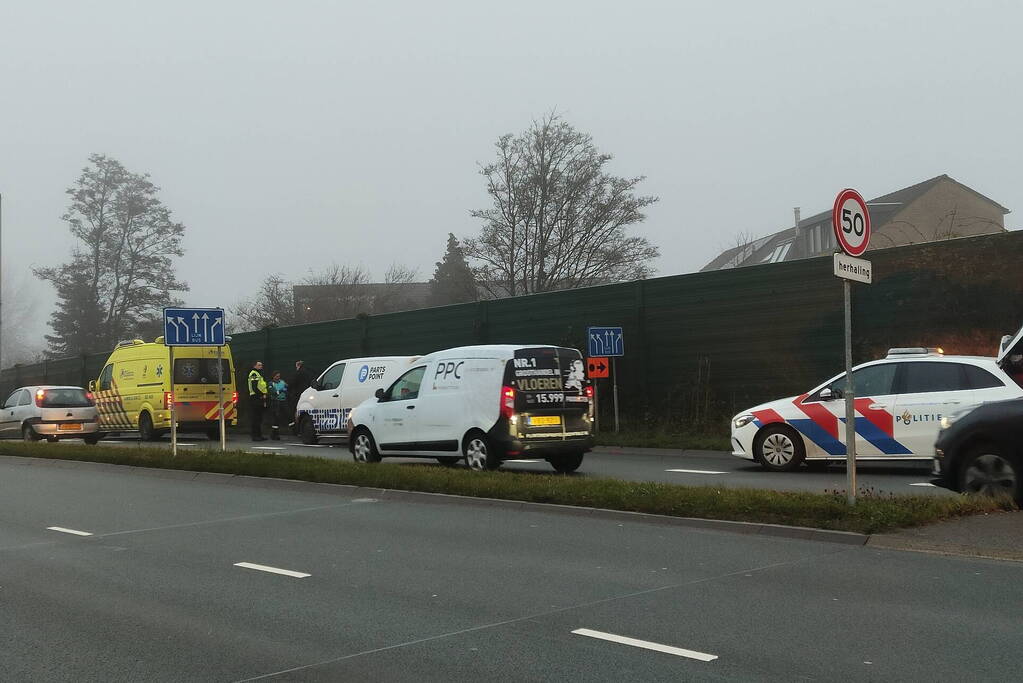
column 988, row 471
column 477, row 453
column 778, row 449
column 307, row 431
column 364, row 449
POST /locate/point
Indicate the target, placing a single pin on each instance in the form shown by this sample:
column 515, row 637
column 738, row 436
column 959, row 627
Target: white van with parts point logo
column 323, row 408
column 483, row 404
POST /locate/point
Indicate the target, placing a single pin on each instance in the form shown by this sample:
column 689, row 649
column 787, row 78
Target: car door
column 927, row 391
column 875, row 405
column 7, row 420
column 25, row 409
column 394, row 418
column 326, row 400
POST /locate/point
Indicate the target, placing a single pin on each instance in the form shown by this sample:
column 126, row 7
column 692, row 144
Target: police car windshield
column 200, row 371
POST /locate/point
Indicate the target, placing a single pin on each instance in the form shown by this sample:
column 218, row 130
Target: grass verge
column 874, row 513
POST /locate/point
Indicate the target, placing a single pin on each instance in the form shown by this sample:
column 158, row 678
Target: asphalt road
column 403, row 591
column 642, row 464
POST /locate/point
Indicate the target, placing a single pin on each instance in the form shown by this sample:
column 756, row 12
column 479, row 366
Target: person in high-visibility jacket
column 257, row 399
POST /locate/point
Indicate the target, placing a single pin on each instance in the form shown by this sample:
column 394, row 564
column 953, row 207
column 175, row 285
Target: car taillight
column 92, row 398
column 507, row 402
column 168, row 399
column 40, row 396
column 234, row 397
column 589, row 392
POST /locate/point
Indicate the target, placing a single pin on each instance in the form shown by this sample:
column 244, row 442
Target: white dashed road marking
column 646, row 645
column 697, row 471
column 272, row 570
column 923, row 483
column 268, row 448
column 69, row 531
column 528, row 461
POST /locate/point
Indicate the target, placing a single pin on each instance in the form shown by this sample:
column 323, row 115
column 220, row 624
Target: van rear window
column 547, row 377
column 200, row 371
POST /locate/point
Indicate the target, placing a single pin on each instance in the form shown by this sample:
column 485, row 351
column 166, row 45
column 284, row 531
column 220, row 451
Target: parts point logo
column 363, row 373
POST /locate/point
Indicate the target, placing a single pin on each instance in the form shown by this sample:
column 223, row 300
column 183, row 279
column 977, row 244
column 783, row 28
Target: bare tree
column 122, row 267
column 558, row 220
column 272, row 306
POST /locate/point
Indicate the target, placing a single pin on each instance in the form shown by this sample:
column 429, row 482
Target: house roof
column 882, row 209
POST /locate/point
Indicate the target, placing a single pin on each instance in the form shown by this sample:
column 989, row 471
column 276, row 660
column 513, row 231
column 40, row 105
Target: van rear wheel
column 146, row 430
column 478, row 454
column 566, row 464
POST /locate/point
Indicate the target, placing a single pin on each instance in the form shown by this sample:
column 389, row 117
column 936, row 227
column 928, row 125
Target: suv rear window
column 65, row 398
column 200, row 370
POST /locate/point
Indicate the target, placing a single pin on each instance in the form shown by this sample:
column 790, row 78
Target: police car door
column 326, row 403
column 822, row 418
column 927, row 391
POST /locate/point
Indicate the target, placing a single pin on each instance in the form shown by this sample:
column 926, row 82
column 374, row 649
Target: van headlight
column 743, row 420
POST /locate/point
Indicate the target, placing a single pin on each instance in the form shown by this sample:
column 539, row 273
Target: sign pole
column 614, row 373
column 596, row 408
column 220, row 397
column 850, row 398
column 174, row 399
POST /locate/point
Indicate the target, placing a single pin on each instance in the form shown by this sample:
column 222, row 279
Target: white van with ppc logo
column 323, row 408
column 483, row 404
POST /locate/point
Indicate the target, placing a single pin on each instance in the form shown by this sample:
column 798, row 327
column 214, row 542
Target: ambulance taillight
column 168, row 400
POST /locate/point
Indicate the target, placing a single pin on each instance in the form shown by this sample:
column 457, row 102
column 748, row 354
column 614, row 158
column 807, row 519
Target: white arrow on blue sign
column 605, row 341
column 193, row 326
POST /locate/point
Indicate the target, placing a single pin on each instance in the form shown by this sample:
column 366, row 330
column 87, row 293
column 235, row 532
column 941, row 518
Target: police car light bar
column 915, row 351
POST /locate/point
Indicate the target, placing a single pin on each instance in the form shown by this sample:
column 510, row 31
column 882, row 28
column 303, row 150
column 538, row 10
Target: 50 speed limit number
column 851, row 222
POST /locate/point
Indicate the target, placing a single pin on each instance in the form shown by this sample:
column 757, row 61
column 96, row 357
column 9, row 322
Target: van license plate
column 544, row 420
column 70, row 427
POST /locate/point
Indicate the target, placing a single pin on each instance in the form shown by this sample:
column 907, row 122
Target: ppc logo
column 363, row 373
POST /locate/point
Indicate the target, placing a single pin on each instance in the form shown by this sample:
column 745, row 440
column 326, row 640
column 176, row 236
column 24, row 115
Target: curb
column 747, row 528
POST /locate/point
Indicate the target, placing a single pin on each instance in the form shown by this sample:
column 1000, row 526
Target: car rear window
column 922, row 378
column 65, row 398
column 200, row 371
column 980, row 378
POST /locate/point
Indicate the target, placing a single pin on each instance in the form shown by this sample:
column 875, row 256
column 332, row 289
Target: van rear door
column 196, row 387
column 551, row 396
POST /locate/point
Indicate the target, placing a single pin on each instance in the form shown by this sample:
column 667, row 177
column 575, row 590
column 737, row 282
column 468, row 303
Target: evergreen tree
column 453, row 282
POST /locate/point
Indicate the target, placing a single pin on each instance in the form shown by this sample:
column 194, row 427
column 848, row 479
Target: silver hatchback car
column 51, row 413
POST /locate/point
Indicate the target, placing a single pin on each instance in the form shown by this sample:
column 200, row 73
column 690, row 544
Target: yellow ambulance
column 137, row 384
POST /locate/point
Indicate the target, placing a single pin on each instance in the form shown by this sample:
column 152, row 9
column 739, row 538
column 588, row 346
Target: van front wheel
column 478, row 454
column 307, row 430
column 364, row 449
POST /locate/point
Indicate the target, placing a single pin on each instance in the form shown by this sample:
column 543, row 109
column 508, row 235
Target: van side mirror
column 92, row 385
column 315, row 385
column 379, row 394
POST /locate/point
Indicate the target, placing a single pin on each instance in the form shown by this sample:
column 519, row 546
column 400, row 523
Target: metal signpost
column 851, row 223
column 195, row 327
column 604, row 342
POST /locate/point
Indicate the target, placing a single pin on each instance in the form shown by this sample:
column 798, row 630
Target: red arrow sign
column 597, row 367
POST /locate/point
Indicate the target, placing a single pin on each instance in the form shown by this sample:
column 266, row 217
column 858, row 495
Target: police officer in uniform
column 257, row 399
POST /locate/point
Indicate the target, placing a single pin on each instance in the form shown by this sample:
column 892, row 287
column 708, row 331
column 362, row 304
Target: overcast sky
column 289, row 135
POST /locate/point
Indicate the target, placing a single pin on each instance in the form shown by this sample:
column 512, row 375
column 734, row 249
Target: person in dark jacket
column 257, row 399
column 300, row 381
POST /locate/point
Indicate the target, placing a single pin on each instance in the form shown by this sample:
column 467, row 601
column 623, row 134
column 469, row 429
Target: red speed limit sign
column 851, row 222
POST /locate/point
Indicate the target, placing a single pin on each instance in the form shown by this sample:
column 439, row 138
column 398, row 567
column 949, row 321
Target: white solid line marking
column 69, row 531
column 268, row 448
column 923, row 483
column 272, row 570
column 697, row 471
column 312, row 445
column 646, row 644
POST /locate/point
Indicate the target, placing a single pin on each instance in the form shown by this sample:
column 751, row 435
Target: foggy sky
column 287, row 136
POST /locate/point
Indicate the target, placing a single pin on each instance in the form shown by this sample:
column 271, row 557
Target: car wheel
column 364, row 449
column 91, row 440
column 307, row 431
column 449, row 460
column 477, row 452
column 779, row 449
column 988, row 471
column 566, row 464
column 146, row 430
column 29, row 434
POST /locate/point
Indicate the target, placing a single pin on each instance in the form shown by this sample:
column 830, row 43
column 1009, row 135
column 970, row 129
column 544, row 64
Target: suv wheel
column 988, row 471
column 478, row 454
column 364, row 449
column 778, row 449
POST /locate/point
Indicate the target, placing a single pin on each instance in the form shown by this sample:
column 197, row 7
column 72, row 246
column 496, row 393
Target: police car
column 900, row 401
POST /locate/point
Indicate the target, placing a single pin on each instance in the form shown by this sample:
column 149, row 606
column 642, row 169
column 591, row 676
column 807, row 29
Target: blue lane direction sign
column 605, row 341
column 193, row 326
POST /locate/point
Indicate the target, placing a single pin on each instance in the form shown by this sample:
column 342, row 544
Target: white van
column 323, row 408
column 483, row 404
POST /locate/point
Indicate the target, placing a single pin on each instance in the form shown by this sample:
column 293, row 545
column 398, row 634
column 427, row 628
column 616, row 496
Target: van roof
column 485, row 351
column 371, row 359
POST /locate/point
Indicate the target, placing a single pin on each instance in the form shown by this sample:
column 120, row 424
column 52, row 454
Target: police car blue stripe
column 819, row 436
column 884, row 443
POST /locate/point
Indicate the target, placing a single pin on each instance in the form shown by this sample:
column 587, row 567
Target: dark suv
column 981, row 451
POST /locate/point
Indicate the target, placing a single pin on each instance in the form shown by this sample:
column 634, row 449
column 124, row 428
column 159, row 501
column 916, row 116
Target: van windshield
column 65, row 398
column 200, row 371
column 547, row 377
